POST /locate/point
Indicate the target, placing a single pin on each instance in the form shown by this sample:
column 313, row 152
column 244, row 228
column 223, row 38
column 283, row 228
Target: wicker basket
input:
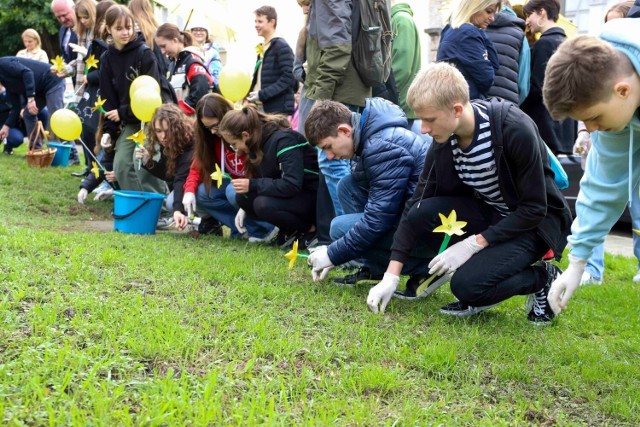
column 41, row 157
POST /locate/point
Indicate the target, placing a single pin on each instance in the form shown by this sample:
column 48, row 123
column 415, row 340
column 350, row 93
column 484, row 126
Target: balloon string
column 96, row 160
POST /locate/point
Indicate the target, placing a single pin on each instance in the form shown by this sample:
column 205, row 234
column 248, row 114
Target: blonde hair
column 439, row 85
column 85, row 7
column 32, row 34
column 463, row 10
column 143, row 16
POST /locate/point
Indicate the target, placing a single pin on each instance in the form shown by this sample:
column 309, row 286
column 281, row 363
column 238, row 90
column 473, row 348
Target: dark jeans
column 494, row 274
column 297, row 213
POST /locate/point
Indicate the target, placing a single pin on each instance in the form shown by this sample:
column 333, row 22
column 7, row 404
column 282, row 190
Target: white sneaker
column 266, row 239
column 164, row 223
column 636, row 278
column 588, row 279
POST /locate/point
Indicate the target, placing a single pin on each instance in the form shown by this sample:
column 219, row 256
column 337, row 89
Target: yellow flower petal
column 91, row 62
column 95, row 169
column 636, row 231
column 138, row 137
column 59, row 63
column 217, row 176
column 99, row 103
column 292, row 255
column 450, row 225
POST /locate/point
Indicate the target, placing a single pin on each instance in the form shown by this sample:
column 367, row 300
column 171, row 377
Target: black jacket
column 197, row 80
column 72, row 39
column 24, row 78
column 559, row 136
column 277, row 83
column 289, row 164
column 506, row 32
column 176, row 183
column 525, row 177
column 118, row 68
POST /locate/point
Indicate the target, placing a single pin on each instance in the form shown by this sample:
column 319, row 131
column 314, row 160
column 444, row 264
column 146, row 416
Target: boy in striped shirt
column 489, row 164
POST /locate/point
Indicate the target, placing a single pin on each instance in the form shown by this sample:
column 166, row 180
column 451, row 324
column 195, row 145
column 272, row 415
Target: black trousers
column 297, row 213
column 492, row 275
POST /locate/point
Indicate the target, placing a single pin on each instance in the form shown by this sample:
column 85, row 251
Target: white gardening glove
column 82, row 195
column 105, row 141
column 454, row 256
column 103, row 195
column 320, row 263
column 189, row 203
column 253, row 96
column 564, row 286
column 80, row 50
column 240, row 216
column 381, row 293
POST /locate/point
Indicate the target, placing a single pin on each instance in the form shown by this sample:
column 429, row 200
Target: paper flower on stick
column 138, row 138
column 58, row 62
column 95, row 169
column 293, row 255
column 98, row 105
column 450, row 226
column 91, row 62
column 636, row 231
column 260, row 50
column 218, row 176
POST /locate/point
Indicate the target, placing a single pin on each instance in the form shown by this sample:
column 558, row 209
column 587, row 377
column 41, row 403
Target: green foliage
column 18, row 15
column 104, row 328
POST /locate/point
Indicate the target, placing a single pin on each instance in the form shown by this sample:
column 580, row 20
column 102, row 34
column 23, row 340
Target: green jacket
column 406, row 58
column 331, row 74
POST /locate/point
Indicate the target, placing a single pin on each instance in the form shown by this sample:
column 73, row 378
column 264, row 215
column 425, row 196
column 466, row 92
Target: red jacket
column 233, row 165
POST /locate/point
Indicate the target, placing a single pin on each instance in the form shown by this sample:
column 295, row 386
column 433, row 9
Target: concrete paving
column 619, row 243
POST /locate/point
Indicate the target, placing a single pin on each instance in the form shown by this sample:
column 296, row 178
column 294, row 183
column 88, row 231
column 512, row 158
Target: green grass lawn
column 104, row 328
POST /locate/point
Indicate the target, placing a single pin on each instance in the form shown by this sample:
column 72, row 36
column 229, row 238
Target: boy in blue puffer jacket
column 386, row 161
column 597, row 81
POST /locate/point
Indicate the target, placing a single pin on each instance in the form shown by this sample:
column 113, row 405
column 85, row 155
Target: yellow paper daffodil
column 450, row 225
column 98, row 105
column 91, row 62
column 138, row 137
column 217, row 176
column 260, row 50
column 58, row 62
column 292, row 255
column 636, row 231
column 95, row 170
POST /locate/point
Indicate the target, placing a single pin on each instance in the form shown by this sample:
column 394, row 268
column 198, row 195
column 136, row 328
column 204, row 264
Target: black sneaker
column 422, row 286
column 459, row 309
column 361, row 275
column 210, row 225
column 285, row 240
column 307, row 239
column 540, row 313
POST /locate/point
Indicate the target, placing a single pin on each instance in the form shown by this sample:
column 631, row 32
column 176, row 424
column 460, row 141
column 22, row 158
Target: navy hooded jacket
column 387, row 163
column 24, row 78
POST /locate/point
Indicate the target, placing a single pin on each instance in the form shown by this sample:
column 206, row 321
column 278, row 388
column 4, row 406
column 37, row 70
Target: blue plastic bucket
column 61, row 158
column 136, row 212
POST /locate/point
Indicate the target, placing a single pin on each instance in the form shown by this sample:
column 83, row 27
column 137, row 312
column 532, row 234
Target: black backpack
column 372, row 36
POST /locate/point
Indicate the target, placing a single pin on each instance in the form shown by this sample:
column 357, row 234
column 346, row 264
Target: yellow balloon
column 143, row 81
column 144, row 103
column 234, row 82
column 66, row 124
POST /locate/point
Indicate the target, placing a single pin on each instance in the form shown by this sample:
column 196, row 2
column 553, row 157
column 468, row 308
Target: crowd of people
column 311, row 156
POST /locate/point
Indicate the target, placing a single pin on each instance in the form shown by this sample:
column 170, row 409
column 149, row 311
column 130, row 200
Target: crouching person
column 489, row 164
column 386, row 161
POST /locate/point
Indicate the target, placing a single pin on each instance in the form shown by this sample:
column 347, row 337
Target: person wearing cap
column 212, row 59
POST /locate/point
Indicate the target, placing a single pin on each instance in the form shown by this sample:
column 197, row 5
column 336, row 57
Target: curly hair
column 179, row 135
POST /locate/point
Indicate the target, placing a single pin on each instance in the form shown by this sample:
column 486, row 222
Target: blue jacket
column 471, row 51
column 387, row 163
column 276, row 80
column 24, row 78
column 613, row 164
